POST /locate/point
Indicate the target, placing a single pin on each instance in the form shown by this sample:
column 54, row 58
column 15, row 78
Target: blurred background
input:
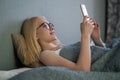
column 64, row 14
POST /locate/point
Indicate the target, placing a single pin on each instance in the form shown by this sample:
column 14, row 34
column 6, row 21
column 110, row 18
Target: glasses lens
column 51, row 25
column 45, row 25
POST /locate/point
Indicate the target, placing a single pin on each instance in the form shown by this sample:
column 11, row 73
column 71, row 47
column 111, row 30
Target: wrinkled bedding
column 61, row 73
column 105, row 66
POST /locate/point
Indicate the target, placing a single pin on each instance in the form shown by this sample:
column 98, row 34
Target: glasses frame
column 49, row 25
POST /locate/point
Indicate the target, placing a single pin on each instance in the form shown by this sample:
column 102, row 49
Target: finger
column 81, row 24
column 91, row 23
column 97, row 25
column 85, row 19
column 93, row 20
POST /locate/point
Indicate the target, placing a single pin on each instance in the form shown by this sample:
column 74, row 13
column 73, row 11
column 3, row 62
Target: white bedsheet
column 5, row 75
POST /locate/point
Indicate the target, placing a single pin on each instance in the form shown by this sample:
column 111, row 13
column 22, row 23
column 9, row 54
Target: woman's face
column 45, row 31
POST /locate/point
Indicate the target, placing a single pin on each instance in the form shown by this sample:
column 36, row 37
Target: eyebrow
column 40, row 25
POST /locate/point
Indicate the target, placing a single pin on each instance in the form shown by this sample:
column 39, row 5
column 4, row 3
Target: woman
column 43, row 46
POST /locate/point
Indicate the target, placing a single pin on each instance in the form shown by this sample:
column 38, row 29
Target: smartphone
column 84, row 10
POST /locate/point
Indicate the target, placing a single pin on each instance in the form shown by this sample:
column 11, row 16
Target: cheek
column 43, row 35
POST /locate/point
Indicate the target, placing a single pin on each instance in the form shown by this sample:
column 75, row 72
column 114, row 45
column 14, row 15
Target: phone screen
column 84, row 10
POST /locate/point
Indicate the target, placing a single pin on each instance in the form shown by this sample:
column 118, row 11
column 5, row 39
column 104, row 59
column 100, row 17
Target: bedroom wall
column 65, row 14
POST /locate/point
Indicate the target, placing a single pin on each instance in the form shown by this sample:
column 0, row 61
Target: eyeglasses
column 47, row 25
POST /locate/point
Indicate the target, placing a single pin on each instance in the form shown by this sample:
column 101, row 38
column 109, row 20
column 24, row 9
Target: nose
column 51, row 28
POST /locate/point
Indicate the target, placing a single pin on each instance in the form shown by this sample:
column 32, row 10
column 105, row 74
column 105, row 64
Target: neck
column 53, row 45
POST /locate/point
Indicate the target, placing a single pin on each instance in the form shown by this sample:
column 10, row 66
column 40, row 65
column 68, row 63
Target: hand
column 87, row 27
column 96, row 32
column 96, row 36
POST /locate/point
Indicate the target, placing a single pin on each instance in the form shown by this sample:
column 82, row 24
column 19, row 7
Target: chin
column 54, row 38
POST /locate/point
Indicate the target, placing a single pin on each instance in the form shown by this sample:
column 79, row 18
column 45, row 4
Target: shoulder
column 46, row 53
column 48, row 57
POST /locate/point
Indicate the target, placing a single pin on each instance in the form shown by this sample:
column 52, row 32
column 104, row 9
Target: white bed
column 4, row 75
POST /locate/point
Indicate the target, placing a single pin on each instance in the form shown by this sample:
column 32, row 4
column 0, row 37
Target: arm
column 84, row 61
column 36, row 64
column 85, row 53
column 96, row 36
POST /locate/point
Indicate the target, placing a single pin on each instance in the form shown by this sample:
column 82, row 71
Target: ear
column 36, row 36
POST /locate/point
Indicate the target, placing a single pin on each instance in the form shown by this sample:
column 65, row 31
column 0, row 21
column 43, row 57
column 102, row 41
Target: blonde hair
column 29, row 33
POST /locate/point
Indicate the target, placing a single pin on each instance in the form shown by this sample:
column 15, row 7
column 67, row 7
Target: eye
column 51, row 25
column 45, row 25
